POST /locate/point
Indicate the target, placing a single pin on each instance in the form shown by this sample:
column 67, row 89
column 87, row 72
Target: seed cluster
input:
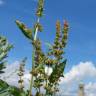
column 21, row 74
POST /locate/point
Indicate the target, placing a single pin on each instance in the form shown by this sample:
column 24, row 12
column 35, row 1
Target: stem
column 35, row 36
column 47, row 79
column 33, row 63
column 31, row 81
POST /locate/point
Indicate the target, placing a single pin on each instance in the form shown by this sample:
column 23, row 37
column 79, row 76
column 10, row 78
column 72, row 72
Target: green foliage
column 21, row 73
column 4, row 49
column 39, row 26
column 8, row 90
column 57, row 72
column 26, row 31
column 2, row 66
column 54, row 58
column 3, row 85
column 40, row 8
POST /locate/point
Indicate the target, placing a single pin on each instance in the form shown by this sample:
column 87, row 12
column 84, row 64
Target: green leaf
column 8, row 90
column 57, row 72
column 2, row 66
column 27, row 32
column 4, row 49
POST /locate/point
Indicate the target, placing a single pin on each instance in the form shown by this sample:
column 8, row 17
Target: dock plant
column 54, row 58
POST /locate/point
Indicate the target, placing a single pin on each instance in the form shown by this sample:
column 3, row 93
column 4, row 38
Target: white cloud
column 83, row 72
column 10, row 74
column 90, row 89
column 11, row 77
column 80, row 72
column 1, row 2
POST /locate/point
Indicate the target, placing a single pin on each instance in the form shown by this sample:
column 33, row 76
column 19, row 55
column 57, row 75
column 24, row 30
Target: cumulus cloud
column 11, row 77
column 83, row 72
column 80, row 72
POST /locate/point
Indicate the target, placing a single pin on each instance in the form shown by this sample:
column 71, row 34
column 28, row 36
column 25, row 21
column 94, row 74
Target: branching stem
column 33, row 63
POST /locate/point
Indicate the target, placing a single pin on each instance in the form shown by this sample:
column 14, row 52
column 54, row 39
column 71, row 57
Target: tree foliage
column 4, row 49
column 8, row 90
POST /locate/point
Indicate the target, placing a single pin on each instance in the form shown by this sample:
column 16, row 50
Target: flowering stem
column 35, row 36
column 33, row 63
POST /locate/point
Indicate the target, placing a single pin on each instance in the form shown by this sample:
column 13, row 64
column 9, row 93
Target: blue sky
column 80, row 14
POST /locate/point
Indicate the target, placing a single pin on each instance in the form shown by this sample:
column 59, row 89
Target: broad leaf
column 27, row 32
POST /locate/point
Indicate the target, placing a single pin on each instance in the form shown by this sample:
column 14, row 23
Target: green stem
column 31, row 81
column 33, row 63
column 36, row 31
